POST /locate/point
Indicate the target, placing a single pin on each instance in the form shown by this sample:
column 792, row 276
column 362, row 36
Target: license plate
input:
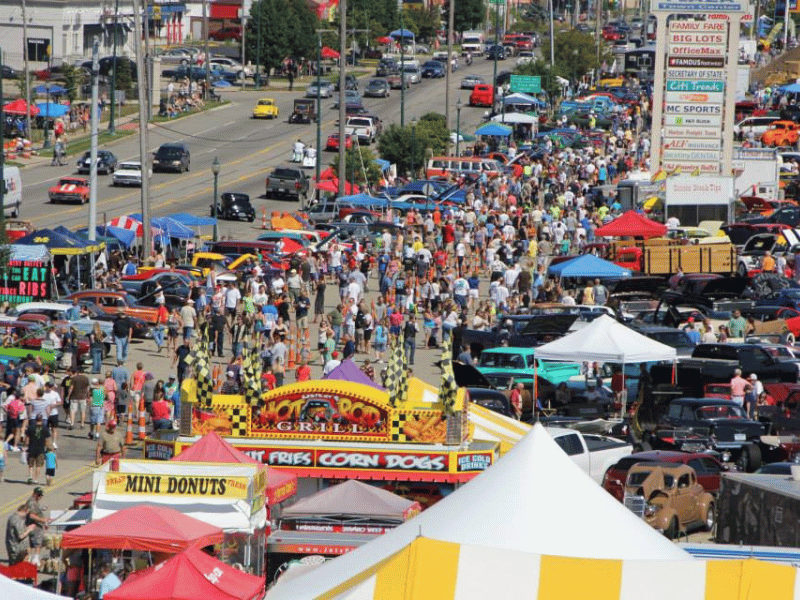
column 739, row 437
column 283, row 190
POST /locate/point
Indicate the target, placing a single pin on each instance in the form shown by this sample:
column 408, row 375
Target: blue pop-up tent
column 402, row 33
column 192, row 220
column 588, row 265
column 126, row 237
column 494, row 129
column 52, row 110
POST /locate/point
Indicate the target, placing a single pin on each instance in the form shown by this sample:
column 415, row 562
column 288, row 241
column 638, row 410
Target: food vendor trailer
column 230, row 496
column 323, row 430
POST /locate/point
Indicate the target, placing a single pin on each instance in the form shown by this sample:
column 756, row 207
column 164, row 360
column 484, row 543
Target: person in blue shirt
column 50, row 463
column 692, row 333
column 130, row 267
column 109, row 581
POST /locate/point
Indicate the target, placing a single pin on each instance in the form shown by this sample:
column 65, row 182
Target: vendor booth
column 225, row 495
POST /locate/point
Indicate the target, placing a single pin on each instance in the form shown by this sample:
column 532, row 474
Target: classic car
column 266, row 108
column 111, row 301
column 106, row 162
column 128, row 173
column 521, row 363
column 70, row 189
column 669, row 498
column 234, row 207
column 781, row 133
column 332, row 143
column 706, row 466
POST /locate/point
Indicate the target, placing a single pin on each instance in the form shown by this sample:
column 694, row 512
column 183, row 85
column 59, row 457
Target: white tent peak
column 535, row 499
column 606, row 340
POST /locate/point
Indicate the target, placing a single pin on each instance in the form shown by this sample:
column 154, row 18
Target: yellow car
column 265, row 109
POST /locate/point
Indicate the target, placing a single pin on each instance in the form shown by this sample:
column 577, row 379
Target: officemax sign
column 176, row 485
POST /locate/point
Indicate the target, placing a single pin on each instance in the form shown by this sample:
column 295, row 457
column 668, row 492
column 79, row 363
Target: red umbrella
column 329, row 52
column 20, row 107
column 384, row 40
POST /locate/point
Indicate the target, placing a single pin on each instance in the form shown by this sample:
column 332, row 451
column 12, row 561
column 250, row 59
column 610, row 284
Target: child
column 50, row 463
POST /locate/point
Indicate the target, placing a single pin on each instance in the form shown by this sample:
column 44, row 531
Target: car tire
column 741, row 270
column 750, row 458
column 673, row 529
column 711, row 518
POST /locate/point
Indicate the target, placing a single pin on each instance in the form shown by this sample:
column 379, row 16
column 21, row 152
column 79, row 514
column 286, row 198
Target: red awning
column 632, row 224
column 146, row 528
column 224, row 11
column 381, row 475
column 187, row 576
column 329, row 52
column 212, row 448
column 19, row 107
column 332, row 185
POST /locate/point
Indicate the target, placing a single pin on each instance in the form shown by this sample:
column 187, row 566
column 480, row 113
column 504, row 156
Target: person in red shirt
column 160, row 411
column 516, row 400
column 269, row 379
column 303, row 372
column 448, row 235
column 617, row 385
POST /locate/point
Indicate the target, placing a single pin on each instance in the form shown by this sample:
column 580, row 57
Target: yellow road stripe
column 57, row 484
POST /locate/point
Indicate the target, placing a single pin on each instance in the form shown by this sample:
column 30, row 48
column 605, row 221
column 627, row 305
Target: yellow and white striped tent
column 434, row 570
column 493, row 427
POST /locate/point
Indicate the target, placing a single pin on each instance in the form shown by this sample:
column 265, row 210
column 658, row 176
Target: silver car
column 412, row 73
column 325, row 90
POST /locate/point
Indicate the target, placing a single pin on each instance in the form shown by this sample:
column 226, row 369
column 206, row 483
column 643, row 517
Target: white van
column 12, row 198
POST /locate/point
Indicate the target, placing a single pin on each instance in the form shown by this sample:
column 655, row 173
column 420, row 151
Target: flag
column 696, row 172
column 659, row 175
column 396, row 374
column 675, row 171
column 198, row 361
column 251, row 375
column 448, row 389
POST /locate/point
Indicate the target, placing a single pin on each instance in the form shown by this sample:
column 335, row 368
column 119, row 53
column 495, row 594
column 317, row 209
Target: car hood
column 726, row 429
column 549, row 324
column 469, row 376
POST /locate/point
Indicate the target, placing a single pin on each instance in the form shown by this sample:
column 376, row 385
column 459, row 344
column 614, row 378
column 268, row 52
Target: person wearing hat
column 18, row 535
column 188, row 318
column 98, row 399
column 35, row 517
column 110, row 444
column 122, row 331
column 37, row 435
column 331, row 364
column 231, row 386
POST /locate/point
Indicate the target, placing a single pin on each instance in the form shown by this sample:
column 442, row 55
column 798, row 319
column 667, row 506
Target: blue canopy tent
column 494, row 129
column 169, row 227
column 402, row 33
column 520, row 98
column 192, row 220
column 362, row 200
column 588, row 265
column 52, row 110
column 383, row 164
column 90, row 246
column 792, row 88
column 126, row 237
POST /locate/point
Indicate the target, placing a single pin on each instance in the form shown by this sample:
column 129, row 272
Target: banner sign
column 705, row 168
column 332, row 528
column 140, row 484
column 679, row 155
column 681, row 143
column 703, row 51
column 711, row 133
column 700, row 6
column 25, row 281
column 696, row 97
column 694, row 120
column 679, row 73
column 686, row 85
column 696, row 62
column 692, row 109
column 711, row 39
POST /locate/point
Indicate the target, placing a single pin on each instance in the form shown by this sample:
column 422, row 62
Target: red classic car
column 333, row 142
column 70, row 189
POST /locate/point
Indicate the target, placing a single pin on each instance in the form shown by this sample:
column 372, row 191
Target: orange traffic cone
column 142, row 418
column 129, row 432
column 264, row 218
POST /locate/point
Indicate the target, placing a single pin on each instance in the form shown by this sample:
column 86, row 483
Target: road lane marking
column 57, row 484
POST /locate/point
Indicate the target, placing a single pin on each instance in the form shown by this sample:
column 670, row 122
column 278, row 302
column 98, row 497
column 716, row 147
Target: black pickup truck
column 520, row 331
column 716, row 363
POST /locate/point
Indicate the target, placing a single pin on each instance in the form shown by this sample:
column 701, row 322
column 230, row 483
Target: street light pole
column 111, row 125
column 319, row 109
column 402, row 73
column 215, row 168
column 2, row 156
column 496, row 41
column 458, row 127
column 413, row 148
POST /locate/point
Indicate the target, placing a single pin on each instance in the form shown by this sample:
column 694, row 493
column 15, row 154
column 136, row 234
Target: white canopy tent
column 514, row 117
column 606, row 340
column 534, row 499
column 14, row 589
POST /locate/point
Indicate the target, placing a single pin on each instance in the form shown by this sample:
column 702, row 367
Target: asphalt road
column 247, row 149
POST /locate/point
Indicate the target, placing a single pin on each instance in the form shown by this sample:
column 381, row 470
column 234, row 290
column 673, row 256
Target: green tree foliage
column 124, row 77
column 360, row 166
column 74, row 78
column 287, row 27
column 423, row 23
column 468, row 14
column 575, row 53
column 378, row 16
column 428, row 137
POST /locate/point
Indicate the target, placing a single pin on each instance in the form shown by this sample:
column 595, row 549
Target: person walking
column 78, row 396
column 35, row 518
column 122, row 331
column 109, row 445
column 98, row 401
column 410, row 338
column 37, row 435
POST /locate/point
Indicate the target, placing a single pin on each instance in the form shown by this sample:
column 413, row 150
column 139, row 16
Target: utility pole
column 143, row 154
column 148, row 79
column 342, row 86
column 93, row 147
column 244, row 29
column 497, row 43
column 402, row 72
column 319, row 102
column 2, row 156
column 26, row 76
column 111, row 125
column 205, row 50
column 448, row 67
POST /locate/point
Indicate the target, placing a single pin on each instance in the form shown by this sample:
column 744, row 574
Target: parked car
column 112, row 301
column 140, row 328
column 778, row 468
column 433, row 69
column 106, row 162
column 266, row 108
column 706, row 465
column 172, row 156
column 128, row 173
column 181, row 56
column 182, row 71
column 55, row 311
column 669, row 498
column 377, row 88
column 234, row 206
column 519, row 363
column 232, row 65
column 226, row 33
column 594, row 454
column 781, row 133
column 70, row 189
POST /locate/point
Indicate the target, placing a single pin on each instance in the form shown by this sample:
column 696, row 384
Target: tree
column 423, row 23
column 124, row 76
column 468, row 14
column 409, row 146
column 575, row 54
column 287, row 28
column 359, row 166
column 377, row 16
column 542, row 69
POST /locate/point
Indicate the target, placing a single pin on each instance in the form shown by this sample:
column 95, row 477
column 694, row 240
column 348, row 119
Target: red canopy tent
column 327, row 52
column 632, row 224
column 20, row 107
column 332, row 185
column 190, row 575
column 146, row 528
column 212, row 448
column 384, row 40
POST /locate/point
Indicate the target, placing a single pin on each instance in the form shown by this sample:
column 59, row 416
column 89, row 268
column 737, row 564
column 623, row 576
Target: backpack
column 360, row 320
column 409, row 331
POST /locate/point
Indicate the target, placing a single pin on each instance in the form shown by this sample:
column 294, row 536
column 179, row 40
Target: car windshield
column 503, row 361
column 169, row 152
column 638, row 478
column 265, row 103
column 130, row 167
column 720, row 412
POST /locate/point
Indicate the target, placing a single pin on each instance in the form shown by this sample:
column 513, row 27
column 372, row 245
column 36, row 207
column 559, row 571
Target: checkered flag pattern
column 448, row 389
column 396, row 378
column 402, row 374
column 251, row 371
column 238, row 416
column 199, row 362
